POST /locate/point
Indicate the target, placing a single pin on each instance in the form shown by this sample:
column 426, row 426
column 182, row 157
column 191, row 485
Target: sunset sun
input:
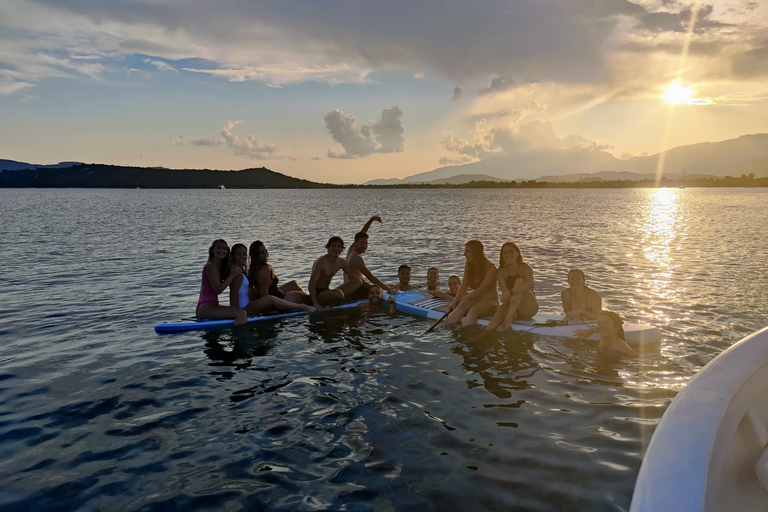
column 676, row 93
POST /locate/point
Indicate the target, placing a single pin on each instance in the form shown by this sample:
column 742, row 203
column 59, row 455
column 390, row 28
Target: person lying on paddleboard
column 515, row 278
column 263, row 280
column 404, row 279
column 217, row 276
column 454, row 283
column 376, row 301
column 357, row 263
column 323, row 270
column 612, row 338
column 238, row 290
column 579, row 301
column 480, row 276
column 433, row 279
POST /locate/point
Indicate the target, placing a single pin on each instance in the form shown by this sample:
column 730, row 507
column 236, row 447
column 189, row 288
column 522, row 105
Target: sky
column 349, row 91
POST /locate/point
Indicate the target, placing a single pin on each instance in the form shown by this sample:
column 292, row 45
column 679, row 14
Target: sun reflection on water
column 661, row 227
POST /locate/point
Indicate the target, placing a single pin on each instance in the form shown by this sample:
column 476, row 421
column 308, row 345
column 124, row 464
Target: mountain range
column 747, row 154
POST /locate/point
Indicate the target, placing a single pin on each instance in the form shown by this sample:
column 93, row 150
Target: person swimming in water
column 480, row 276
column 613, row 340
column 376, row 301
column 263, row 280
column 239, row 288
column 433, row 279
column 217, row 276
column 579, row 301
column 454, row 283
column 515, row 278
column 404, row 279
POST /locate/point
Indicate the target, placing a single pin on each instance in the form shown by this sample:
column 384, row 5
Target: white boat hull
column 709, row 451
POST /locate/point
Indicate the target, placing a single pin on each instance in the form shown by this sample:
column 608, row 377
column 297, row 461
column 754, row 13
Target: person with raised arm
column 613, row 341
column 217, row 276
column 515, row 278
column 480, row 276
column 239, row 290
column 263, row 280
column 357, row 264
column 579, row 301
column 323, row 271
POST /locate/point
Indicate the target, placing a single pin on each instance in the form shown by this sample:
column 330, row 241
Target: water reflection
column 662, row 227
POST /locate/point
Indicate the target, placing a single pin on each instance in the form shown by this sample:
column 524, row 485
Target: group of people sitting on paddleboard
column 254, row 288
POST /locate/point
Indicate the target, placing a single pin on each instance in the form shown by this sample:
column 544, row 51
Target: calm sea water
column 347, row 411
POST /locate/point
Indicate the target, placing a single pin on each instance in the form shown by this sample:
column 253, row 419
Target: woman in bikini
column 516, row 281
column 263, row 280
column 480, row 276
column 579, row 301
column 239, row 288
column 217, row 276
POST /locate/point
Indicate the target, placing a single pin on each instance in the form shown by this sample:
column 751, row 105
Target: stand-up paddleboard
column 207, row 325
column 415, row 303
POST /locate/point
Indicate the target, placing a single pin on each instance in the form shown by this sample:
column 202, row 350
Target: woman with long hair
column 515, row 278
column 239, row 288
column 480, row 276
column 217, row 276
column 613, row 341
column 579, row 301
column 263, row 280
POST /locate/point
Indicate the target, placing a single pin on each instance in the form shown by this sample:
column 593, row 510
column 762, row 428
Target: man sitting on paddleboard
column 323, row 270
column 357, row 263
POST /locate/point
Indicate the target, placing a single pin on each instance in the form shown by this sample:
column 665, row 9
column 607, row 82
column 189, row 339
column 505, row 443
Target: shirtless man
column 357, row 263
column 404, row 276
column 323, row 270
column 376, row 301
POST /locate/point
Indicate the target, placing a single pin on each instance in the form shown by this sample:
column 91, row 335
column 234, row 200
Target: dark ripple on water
column 352, row 411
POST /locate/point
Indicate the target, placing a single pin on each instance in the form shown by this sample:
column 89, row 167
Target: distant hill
column 112, row 176
column 453, row 180
column 13, row 165
column 744, row 155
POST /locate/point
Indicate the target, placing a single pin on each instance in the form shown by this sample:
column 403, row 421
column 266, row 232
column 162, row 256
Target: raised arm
column 370, row 221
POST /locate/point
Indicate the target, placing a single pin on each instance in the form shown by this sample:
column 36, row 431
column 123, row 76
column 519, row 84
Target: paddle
column 438, row 321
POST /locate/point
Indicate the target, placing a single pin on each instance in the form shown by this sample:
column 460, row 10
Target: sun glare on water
column 678, row 94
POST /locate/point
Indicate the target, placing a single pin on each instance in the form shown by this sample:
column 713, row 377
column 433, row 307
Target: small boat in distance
column 222, row 187
column 710, row 449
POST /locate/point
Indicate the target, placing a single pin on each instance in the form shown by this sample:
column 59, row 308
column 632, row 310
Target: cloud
column 383, row 136
column 457, row 92
column 249, row 146
column 161, row 65
column 508, row 133
column 498, row 84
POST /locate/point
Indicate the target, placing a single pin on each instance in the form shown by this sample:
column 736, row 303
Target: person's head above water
column 609, row 323
column 375, row 295
column 404, row 274
column 433, row 274
column 454, row 283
